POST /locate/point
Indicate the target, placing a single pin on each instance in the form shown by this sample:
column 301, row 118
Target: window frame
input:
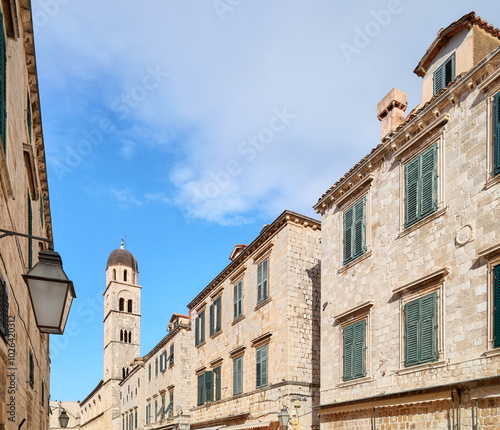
column 263, row 297
column 238, row 299
column 492, row 141
column 440, row 73
column 200, row 328
column 361, row 322
column 216, row 316
column 217, row 382
column 259, row 370
column 352, row 206
column 238, row 384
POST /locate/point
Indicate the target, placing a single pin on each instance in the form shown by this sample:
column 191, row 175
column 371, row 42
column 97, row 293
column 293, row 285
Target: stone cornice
column 30, row 55
column 265, row 236
column 170, row 335
column 432, row 113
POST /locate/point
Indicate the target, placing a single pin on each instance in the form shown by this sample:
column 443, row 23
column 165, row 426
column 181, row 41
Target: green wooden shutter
column 171, row 405
column 259, row 283
column 172, row 355
column 197, row 331
column 265, row 279
column 235, row 376
column 449, row 70
column 359, row 349
column 258, row 361
column 4, row 308
column 348, row 347
column 202, row 327
column 496, row 306
column 428, row 200
column 348, row 228
column 263, row 366
column 496, row 133
column 218, row 307
column 412, row 175
column 218, row 387
column 201, row 389
column 212, row 327
column 240, row 298
column 3, row 86
column 359, row 227
column 412, row 323
column 30, row 232
column 438, row 80
column 235, row 301
column 240, row 375
column 28, row 113
column 209, row 386
column 428, row 328
column 32, row 371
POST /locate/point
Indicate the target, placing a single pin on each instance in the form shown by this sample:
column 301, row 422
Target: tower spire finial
column 121, row 246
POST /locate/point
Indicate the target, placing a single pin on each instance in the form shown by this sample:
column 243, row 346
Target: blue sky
column 188, row 125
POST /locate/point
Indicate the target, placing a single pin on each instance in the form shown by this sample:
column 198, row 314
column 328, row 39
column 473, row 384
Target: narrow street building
column 410, row 322
column 24, row 210
column 256, row 332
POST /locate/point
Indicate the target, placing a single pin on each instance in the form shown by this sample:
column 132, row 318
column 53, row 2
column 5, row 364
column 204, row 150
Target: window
column 170, row 408
column 30, row 232
column 32, row 371
column 28, row 113
column 43, row 393
column 135, row 416
column 201, row 390
column 421, row 330
column 496, row 134
column 4, row 308
column 216, row 316
column 129, row 306
column 121, row 335
column 149, row 371
column 238, row 299
column 444, row 74
column 156, row 410
column 131, row 421
column 3, row 87
column 163, row 407
column 156, row 367
column 205, row 388
column 421, row 186
column 496, row 307
column 261, row 367
column 121, row 305
column 124, row 276
column 354, row 350
column 162, row 361
column 355, row 231
column 171, row 355
column 114, row 277
column 148, row 414
column 237, row 376
column 200, row 328
column 263, row 281
column 218, row 387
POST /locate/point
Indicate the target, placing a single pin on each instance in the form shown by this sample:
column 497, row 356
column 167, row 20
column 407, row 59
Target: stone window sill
column 420, row 367
column 237, row 320
column 491, row 352
column 492, row 181
column 422, row 222
column 357, row 381
column 263, row 303
column 362, row 257
column 213, row 336
column 201, row 344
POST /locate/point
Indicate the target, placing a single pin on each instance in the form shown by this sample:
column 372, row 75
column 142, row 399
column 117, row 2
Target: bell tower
column 122, row 314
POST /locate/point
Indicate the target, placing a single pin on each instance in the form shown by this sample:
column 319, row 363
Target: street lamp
column 51, row 293
column 63, row 419
column 283, row 417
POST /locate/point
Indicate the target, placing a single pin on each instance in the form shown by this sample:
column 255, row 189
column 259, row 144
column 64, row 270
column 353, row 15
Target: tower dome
column 122, row 257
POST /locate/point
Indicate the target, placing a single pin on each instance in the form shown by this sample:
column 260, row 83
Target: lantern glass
column 63, row 419
column 51, row 292
column 283, row 417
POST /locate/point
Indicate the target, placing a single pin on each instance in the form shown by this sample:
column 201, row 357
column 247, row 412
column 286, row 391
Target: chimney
column 391, row 110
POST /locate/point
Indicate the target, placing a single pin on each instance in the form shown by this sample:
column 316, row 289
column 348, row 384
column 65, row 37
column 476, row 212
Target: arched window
column 121, row 335
column 124, row 276
column 123, row 372
column 129, row 305
column 114, row 274
column 127, row 371
column 122, row 304
column 130, row 336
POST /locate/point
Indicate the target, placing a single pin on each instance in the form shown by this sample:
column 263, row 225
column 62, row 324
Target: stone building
column 256, row 332
column 155, row 394
column 24, row 209
column 410, row 322
column 101, row 409
column 72, row 410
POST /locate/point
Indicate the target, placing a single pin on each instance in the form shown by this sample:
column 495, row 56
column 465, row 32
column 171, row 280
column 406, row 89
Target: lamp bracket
column 15, row 233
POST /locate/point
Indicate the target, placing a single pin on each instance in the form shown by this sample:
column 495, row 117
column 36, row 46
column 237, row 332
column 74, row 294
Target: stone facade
column 72, row 410
column 445, row 258
column 282, row 325
column 25, row 209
